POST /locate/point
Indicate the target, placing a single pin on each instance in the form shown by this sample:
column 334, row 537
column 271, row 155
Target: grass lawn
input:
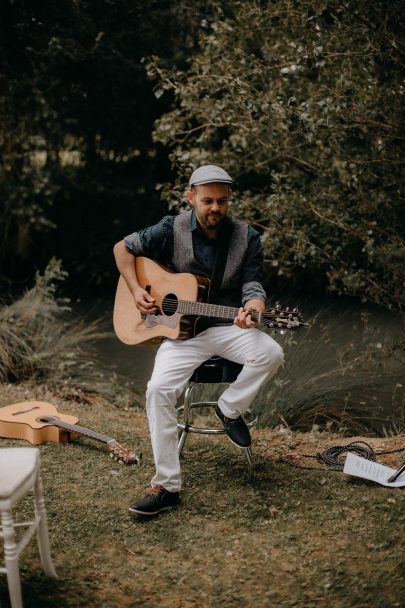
column 291, row 538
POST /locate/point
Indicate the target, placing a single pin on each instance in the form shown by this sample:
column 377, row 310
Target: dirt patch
column 293, row 537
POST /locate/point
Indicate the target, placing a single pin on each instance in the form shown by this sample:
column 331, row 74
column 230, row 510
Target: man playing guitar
column 201, row 241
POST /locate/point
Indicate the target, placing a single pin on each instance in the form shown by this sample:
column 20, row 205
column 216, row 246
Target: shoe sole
column 242, row 447
column 138, row 512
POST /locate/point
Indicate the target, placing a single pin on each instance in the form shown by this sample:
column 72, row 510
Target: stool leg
column 186, row 417
column 11, row 560
column 182, row 440
column 43, row 534
column 249, row 458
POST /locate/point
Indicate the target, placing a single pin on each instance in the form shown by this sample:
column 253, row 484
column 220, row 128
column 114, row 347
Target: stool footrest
column 190, row 428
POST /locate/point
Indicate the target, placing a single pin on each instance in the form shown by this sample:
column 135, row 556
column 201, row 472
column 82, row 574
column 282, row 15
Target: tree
column 78, row 164
column 302, row 102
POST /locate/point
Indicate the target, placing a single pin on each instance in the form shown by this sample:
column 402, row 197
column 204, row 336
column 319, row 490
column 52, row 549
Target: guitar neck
column 203, row 309
column 74, row 428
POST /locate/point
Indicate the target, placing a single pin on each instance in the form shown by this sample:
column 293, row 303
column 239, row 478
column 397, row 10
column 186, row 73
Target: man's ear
column 190, row 197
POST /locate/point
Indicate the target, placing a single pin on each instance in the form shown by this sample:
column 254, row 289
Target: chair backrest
column 18, row 470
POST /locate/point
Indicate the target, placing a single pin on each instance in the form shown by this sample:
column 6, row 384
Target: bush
column 345, row 373
column 41, row 342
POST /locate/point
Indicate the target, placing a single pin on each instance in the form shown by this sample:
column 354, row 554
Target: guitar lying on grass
column 38, row 421
column 178, row 297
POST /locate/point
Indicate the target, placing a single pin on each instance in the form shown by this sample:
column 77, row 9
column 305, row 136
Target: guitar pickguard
column 155, row 320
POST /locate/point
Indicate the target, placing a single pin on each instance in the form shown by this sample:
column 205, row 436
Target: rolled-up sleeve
column 133, row 243
column 252, row 271
column 155, row 242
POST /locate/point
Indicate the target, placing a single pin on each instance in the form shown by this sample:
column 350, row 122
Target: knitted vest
column 184, row 261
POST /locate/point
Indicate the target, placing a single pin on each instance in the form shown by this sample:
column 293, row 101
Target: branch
column 392, row 161
column 303, row 162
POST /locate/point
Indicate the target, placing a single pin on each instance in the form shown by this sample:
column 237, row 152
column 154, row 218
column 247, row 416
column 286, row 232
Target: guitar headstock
column 283, row 319
column 123, row 455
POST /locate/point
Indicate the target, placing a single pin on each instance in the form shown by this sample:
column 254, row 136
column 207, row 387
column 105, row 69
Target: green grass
column 43, row 343
column 291, row 538
column 344, row 373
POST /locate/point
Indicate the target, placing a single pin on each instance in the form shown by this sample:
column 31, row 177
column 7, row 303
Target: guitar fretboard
column 74, row 428
column 185, row 307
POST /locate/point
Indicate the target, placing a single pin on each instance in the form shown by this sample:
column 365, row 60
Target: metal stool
column 216, row 370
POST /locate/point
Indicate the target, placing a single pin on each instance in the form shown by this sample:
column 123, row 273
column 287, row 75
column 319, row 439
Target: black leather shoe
column 236, row 429
column 157, row 499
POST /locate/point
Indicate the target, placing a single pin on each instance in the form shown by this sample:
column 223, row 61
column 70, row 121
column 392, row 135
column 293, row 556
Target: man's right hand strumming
column 144, row 301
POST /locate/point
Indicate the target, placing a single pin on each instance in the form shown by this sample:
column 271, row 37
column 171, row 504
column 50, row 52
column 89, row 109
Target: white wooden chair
column 20, row 473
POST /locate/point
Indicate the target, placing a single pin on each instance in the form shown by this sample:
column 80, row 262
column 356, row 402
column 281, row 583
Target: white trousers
column 174, row 364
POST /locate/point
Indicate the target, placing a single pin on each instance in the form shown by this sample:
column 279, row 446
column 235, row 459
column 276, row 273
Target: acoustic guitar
column 39, row 421
column 179, row 301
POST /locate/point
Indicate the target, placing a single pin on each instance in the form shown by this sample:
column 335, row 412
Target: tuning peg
column 295, row 310
column 287, row 309
column 278, row 307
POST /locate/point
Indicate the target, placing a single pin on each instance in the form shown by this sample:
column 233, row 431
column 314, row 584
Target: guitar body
column 166, row 287
column 23, row 421
column 179, row 298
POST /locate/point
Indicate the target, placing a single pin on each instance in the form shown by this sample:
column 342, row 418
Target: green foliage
column 40, row 342
column 301, row 101
column 345, row 373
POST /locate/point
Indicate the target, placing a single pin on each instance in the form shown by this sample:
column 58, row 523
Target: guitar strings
column 173, row 306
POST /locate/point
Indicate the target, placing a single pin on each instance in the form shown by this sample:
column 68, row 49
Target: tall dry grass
column 41, row 342
column 345, row 373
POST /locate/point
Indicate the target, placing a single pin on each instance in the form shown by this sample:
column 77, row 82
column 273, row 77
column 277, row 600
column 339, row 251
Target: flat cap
column 207, row 174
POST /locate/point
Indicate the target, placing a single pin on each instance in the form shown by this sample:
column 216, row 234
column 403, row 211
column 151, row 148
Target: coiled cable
column 335, row 456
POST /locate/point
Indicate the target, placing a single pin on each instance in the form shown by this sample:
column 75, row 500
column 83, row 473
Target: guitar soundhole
column 169, row 304
column 47, row 419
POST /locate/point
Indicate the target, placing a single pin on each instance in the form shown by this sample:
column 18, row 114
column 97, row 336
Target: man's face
column 210, row 202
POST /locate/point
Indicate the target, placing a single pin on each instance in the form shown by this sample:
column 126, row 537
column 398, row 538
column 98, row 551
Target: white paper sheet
column 361, row 467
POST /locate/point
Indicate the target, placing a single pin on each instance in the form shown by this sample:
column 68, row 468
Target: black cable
column 335, row 456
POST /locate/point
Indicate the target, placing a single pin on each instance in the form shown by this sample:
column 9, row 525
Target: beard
column 213, row 222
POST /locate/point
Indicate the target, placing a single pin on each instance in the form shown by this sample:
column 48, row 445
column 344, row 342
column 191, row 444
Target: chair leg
column 11, row 560
column 42, row 532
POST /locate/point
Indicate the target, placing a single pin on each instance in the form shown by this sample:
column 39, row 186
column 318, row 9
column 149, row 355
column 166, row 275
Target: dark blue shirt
column 156, row 242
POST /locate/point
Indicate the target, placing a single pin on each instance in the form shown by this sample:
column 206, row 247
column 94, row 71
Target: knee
column 155, row 390
column 271, row 356
column 159, row 392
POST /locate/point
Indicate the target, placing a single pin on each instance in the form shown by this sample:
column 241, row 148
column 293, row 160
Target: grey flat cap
column 207, row 174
